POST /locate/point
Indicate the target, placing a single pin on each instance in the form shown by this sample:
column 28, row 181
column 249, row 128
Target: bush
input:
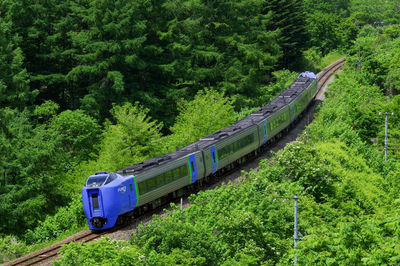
column 66, row 218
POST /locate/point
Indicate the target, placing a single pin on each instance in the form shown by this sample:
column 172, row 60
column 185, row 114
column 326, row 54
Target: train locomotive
column 109, row 198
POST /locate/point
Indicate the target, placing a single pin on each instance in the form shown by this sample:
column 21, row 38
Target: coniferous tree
column 288, row 18
column 40, row 30
column 14, row 79
column 222, row 45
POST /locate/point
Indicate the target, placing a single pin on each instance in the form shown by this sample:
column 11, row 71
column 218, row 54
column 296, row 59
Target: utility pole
column 378, row 24
column 308, row 124
column 359, row 54
column 296, row 231
column 386, row 131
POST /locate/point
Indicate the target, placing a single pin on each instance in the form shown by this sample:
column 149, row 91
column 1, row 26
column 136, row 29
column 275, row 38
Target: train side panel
column 313, row 88
column 279, row 121
column 170, row 177
column 264, row 133
column 210, row 160
column 231, row 149
column 300, row 104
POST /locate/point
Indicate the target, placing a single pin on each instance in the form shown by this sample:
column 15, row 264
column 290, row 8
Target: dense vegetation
column 89, row 85
column 348, row 196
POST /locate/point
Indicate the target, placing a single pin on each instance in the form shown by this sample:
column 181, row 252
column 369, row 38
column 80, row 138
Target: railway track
column 328, row 71
column 46, row 255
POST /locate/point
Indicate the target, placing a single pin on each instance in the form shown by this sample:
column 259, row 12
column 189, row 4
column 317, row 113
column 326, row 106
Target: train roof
column 285, row 98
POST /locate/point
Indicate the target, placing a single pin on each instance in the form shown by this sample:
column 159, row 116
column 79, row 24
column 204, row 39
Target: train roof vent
column 209, row 138
column 223, row 135
column 164, row 158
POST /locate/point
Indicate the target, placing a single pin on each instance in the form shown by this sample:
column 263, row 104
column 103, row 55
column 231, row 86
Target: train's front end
column 104, row 198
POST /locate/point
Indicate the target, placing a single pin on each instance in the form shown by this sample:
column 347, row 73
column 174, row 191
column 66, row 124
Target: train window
column 236, row 146
column 131, row 187
column 95, row 202
column 96, row 180
column 151, row 184
column 142, row 188
column 168, row 177
column 183, row 171
column 193, row 169
column 160, row 180
column 222, row 153
column 175, row 174
column 213, row 154
column 279, row 120
column 111, row 178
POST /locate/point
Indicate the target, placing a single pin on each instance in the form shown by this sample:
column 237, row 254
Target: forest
column 98, row 85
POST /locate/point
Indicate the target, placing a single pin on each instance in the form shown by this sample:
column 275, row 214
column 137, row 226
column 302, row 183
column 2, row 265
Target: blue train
column 109, row 198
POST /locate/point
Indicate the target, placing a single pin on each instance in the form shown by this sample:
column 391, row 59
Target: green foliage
column 242, row 224
column 35, row 160
column 11, row 248
column 208, row 112
column 281, row 80
column 222, row 45
column 307, row 166
column 56, row 57
column 370, row 11
column 78, row 134
column 348, row 195
column 114, row 252
column 288, row 18
column 46, row 110
column 66, row 218
column 14, row 79
column 134, row 138
column 329, row 32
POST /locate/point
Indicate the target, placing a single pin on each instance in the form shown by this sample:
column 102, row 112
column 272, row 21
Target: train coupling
column 98, row 222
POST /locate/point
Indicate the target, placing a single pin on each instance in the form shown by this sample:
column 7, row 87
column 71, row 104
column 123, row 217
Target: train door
column 292, row 107
column 193, row 168
column 213, row 159
column 265, row 131
column 95, row 203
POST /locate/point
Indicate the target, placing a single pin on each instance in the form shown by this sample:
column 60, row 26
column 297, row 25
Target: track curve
column 46, row 255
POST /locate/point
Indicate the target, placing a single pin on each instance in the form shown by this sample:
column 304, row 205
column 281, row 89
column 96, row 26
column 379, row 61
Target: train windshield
column 96, row 180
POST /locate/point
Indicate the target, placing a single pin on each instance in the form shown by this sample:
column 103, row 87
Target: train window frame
column 279, row 119
column 100, row 180
column 95, row 202
column 174, row 174
column 236, row 146
column 110, row 178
